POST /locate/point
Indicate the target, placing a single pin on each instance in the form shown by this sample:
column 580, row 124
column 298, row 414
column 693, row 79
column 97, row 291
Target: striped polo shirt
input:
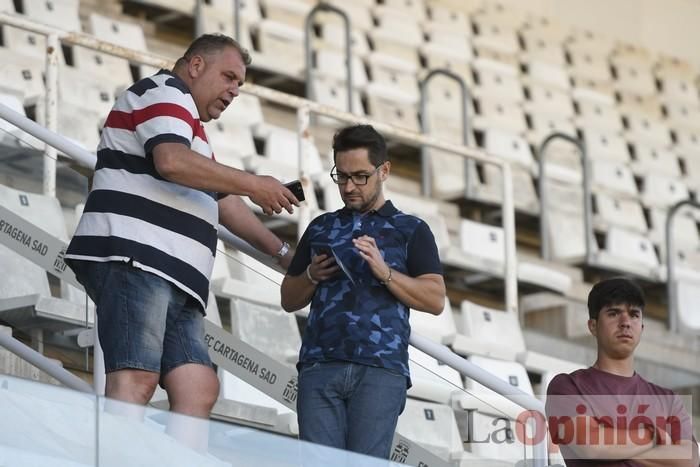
column 132, row 214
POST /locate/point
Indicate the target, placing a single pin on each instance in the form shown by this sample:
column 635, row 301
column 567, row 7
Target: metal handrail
column 671, row 292
column 237, row 20
column 44, row 364
column 426, row 179
column 587, row 208
column 307, row 49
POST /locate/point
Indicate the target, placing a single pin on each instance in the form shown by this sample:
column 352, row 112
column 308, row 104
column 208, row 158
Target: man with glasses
column 361, row 268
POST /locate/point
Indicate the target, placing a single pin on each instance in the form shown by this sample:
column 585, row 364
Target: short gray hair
column 207, row 44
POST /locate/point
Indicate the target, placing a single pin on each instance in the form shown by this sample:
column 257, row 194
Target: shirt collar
column 172, row 74
column 387, row 210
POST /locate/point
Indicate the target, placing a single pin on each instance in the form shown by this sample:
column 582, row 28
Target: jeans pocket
column 307, row 367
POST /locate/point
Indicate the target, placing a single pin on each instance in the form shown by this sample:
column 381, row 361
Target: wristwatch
column 284, row 249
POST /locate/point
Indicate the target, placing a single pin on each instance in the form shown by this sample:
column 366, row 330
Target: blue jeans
column 144, row 322
column 350, row 406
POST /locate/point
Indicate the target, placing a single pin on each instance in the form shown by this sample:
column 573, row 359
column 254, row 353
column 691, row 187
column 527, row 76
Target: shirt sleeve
column 165, row 118
column 560, row 404
column 679, row 425
column 422, row 252
column 562, row 385
column 302, row 256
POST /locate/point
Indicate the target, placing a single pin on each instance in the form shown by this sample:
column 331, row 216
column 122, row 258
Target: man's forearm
column 296, row 292
column 614, row 449
column 425, row 293
column 236, row 216
column 178, row 164
column 669, row 455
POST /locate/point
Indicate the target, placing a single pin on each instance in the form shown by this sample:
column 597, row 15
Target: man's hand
column 272, row 196
column 323, row 267
column 370, row 252
column 285, row 260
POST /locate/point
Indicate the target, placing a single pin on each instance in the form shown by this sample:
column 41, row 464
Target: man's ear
column 385, row 170
column 196, row 66
column 593, row 327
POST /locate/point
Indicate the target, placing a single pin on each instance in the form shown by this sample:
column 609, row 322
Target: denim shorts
column 143, row 321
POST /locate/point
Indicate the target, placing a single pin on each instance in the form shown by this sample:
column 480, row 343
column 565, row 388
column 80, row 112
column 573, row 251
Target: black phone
column 295, row 187
column 321, row 249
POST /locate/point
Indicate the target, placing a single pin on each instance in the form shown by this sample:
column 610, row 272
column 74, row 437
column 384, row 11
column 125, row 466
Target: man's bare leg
column 128, row 391
column 192, row 390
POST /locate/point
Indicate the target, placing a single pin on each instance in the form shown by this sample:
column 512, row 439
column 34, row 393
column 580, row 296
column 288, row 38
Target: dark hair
column 207, row 44
column 615, row 291
column 361, row 136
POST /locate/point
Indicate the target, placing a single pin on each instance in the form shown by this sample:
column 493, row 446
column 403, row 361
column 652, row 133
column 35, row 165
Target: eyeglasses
column 339, row 178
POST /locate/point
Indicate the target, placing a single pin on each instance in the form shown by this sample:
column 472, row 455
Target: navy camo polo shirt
column 353, row 317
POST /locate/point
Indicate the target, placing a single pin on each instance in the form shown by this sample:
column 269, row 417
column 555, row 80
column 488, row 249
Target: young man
column 362, row 268
column 145, row 245
column 608, row 414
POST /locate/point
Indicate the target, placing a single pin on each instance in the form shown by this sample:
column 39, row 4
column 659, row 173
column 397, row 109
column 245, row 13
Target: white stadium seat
column 635, row 78
column 612, row 177
column 599, row 117
column 549, row 75
column 59, row 13
column 605, row 146
column 685, row 230
column 496, row 113
column 290, row 12
column 683, row 115
column 26, row 300
column 587, row 65
column 118, row 32
column 626, row 213
column 645, row 130
column 331, row 64
column 281, row 47
column 21, row 77
column 539, row 48
column 629, row 253
column 657, row 161
column 432, row 425
column 679, row 89
column 662, row 191
column 634, row 104
column 387, row 104
column 510, row 147
column 544, row 99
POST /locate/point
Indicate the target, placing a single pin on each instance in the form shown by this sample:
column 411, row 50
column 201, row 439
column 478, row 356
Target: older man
column 145, row 245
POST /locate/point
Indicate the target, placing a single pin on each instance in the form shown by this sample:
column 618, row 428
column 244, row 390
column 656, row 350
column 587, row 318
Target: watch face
column 284, row 249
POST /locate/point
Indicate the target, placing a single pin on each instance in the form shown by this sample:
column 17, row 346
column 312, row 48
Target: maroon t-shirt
column 612, row 400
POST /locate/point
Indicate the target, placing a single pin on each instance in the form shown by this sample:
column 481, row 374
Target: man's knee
column 131, row 385
column 210, row 390
column 192, row 389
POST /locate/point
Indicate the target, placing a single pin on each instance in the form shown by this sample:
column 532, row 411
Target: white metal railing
column 304, row 108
